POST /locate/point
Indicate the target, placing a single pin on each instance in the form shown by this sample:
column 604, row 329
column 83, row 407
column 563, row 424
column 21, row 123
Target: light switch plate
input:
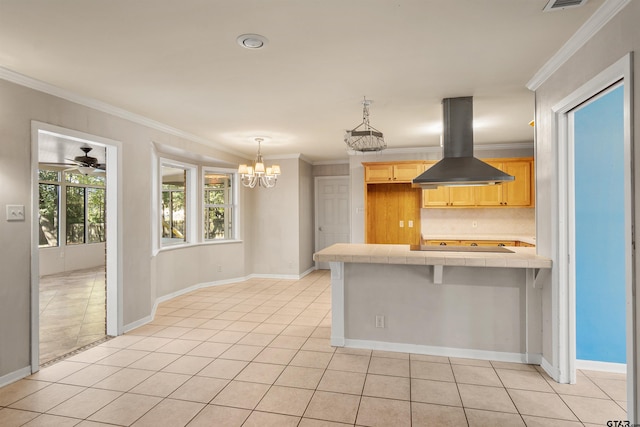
column 15, row 212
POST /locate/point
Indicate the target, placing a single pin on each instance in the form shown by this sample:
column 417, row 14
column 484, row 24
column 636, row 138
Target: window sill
column 191, row 245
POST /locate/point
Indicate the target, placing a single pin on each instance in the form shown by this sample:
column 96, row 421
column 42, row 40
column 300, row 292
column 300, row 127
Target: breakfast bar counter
column 453, row 303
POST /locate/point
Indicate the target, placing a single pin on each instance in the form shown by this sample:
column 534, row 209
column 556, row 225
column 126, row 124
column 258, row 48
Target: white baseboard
column 592, row 365
column 498, row 356
column 141, row 322
column 281, row 276
column 15, row 376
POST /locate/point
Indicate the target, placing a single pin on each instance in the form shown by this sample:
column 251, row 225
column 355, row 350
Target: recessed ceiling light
column 252, row 41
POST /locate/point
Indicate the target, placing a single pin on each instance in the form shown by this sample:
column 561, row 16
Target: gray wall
column 146, row 277
column 454, row 314
column 306, row 213
column 618, row 37
column 282, row 218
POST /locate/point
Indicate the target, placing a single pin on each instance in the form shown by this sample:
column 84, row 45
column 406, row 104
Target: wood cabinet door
column 405, row 172
column 490, row 195
column 437, row 197
column 393, row 214
column 378, row 173
column 462, row 196
column 518, row 192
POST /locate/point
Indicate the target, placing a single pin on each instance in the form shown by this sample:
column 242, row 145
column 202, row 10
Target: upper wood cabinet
column 448, row 196
column 515, row 193
column 385, row 172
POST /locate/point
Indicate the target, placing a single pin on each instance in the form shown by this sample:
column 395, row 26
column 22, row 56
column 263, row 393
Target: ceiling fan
column 85, row 164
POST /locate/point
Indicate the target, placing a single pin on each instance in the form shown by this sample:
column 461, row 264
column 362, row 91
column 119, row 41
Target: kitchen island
column 484, row 305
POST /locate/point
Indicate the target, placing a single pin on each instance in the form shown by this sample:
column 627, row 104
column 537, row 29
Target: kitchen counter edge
column 521, row 257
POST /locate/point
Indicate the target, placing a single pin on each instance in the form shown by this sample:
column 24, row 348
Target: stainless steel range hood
column 458, row 167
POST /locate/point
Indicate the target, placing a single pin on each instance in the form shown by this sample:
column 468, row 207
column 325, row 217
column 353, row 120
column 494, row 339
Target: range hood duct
column 458, row 167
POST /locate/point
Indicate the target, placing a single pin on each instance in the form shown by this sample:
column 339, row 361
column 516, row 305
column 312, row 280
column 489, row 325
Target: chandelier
column 257, row 174
column 364, row 137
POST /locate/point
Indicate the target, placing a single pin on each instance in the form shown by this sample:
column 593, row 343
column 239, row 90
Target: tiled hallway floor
column 72, row 311
column 257, row 353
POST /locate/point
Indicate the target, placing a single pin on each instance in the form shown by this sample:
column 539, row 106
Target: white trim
column 563, row 293
column 192, row 225
column 466, row 353
column 114, row 214
column 591, row 26
column 35, row 254
column 591, row 365
column 14, row 376
column 550, row 369
column 50, row 89
column 141, row 322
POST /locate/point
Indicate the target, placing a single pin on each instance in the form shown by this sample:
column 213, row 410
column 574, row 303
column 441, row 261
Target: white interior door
column 332, row 213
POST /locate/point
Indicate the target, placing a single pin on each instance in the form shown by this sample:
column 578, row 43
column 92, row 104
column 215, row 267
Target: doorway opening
column 76, row 296
column 594, row 298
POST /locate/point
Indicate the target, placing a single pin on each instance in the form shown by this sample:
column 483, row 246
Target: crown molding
column 590, row 28
column 438, row 149
column 331, row 162
column 50, row 89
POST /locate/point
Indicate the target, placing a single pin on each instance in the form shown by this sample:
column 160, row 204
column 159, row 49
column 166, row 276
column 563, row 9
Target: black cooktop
column 449, row 248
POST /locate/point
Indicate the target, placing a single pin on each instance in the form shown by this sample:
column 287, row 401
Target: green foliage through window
column 82, row 211
column 49, row 197
column 218, row 206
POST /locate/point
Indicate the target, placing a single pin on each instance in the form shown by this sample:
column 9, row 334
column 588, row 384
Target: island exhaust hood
column 458, row 167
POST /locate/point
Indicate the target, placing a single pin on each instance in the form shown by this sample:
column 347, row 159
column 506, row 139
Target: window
column 77, row 201
column 194, row 204
column 85, row 206
column 49, row 195
column 218, row 206
column 174, row 209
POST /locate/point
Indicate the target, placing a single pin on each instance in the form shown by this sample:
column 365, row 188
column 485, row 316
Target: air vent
column 563, row 4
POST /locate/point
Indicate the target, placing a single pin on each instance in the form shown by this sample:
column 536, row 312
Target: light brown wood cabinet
column 478, row 243
column 392, row 213
column 516, row 193
column 384, row 172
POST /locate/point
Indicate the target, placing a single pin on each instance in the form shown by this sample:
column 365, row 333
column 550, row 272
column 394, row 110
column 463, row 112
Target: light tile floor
column 257, row 354
column 72, row 311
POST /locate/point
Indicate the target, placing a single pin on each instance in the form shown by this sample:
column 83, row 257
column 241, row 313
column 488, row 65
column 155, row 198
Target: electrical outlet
column 474, row 224
column 219, row 269
column 379, row 321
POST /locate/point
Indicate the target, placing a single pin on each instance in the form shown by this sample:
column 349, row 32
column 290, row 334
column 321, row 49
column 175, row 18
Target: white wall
column 59, row 259
column 489, row 221
column 618, row 37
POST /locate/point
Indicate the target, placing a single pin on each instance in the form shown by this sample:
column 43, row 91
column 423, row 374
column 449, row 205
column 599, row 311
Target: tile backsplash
column 499, row 221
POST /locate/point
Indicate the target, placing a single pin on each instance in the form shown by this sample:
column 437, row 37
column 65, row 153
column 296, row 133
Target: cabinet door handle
column 443, row 244
column 474, row 244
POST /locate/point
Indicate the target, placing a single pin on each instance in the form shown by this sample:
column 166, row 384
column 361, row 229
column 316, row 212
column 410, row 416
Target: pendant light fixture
column 258, row 174
column 364, row 137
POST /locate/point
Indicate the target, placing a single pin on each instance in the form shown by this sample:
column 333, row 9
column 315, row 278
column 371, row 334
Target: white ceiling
column 177, row 62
